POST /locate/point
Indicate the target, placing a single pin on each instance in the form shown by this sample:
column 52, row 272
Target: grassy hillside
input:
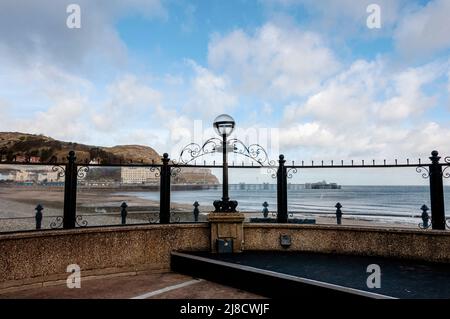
column 49, row 149
column 14, row 144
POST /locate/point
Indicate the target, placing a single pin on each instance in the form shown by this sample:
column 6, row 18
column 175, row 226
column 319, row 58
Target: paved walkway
column 149, row 286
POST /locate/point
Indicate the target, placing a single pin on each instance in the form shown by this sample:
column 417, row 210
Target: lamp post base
column 227, row 232
column 225, row 206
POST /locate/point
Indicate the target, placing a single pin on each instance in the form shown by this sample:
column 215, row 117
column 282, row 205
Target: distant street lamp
column 224, row 126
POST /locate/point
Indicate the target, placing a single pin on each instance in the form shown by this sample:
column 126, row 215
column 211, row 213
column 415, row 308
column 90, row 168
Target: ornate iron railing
column 74, row 172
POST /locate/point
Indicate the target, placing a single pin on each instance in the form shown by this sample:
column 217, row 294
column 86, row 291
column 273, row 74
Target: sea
column 372, row 202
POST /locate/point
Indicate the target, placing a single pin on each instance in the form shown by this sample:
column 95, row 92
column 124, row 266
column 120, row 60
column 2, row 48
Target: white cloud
column 155, row 138
column 424, row 31
column 128, row 100
column 210, row 94
column 417, row 30
column 315, row 140
column 366, row 110
column 344, row 17
column 311, row 134
column 64, row 106
column 43, row 98
column 409, row 99
column 430, row 136
column 36, row 30
column 278, row 61
column 345, row 100
column 65, row 120
column 367, row 91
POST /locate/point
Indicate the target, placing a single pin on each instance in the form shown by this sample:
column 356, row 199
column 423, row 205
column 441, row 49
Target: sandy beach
column 102, row 207
column 97, row 207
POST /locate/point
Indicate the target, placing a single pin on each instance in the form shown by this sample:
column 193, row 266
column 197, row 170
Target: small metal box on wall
column 285, row 241
column 224, row 246
column 227, row 232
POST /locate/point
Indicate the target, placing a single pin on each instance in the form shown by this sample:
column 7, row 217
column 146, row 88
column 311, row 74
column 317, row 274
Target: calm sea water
column 376, row 201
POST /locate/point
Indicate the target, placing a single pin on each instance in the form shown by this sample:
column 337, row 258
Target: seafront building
column 138, row 175
column 42, row 175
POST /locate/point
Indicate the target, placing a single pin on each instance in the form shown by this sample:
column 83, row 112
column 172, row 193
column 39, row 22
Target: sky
column 305, row 78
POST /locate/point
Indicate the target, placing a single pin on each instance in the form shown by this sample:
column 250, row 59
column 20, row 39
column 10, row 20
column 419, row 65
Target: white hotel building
column 35, row 175
column 138, row 175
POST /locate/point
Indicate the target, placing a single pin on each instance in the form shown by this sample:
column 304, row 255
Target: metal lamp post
column 224, row 126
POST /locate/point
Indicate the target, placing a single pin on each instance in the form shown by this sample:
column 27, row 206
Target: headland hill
column 22, row 148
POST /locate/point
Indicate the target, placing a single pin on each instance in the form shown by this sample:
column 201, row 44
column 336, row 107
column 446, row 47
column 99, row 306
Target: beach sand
column 102, row 207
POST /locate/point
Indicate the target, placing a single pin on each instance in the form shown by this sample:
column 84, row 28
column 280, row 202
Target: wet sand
column 102, row 207
column 97, row 207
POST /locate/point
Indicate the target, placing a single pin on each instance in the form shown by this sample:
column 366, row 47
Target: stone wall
column 40, row 258
column 37, row 257
column 424, row 245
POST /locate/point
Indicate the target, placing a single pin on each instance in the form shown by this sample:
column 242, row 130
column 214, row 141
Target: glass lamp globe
column 224, row 125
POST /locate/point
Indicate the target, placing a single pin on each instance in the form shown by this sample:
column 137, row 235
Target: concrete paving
column 147, row 286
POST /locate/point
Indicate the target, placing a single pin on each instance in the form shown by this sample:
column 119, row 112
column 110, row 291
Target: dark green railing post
column 38, row 216
column 282, row 215
column 436, row 193
column 123, row 213
column 338, row 213
column 196, row 211
column 70, row 192
column 164, row 205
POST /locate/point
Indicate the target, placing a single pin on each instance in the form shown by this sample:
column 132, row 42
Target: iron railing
column 73, row 171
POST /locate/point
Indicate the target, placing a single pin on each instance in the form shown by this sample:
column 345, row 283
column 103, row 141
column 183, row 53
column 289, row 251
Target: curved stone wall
column 41, row 257
column 425, row 245
column 33, row 258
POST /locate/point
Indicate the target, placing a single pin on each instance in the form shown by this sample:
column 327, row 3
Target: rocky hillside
column 15, row 145
column 48, row 149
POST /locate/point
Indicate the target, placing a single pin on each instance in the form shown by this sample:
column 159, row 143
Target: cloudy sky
column 309, row 74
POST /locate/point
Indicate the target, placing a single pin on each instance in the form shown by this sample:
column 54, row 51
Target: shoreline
column 103, row 207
